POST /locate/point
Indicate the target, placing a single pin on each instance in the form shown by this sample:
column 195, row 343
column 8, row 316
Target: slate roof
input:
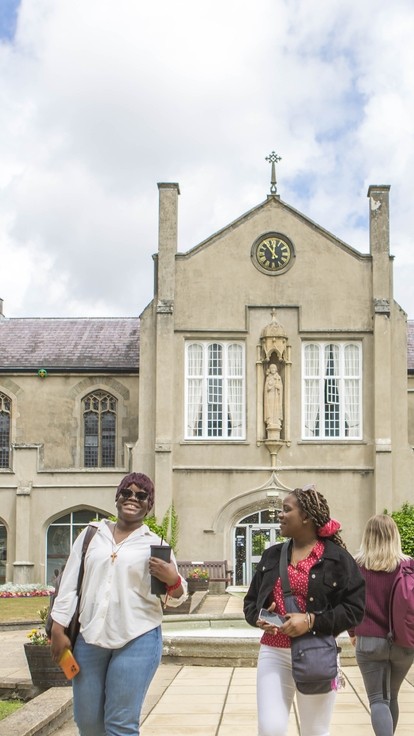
column 410, row 346
column 85, row 344
column 69, row 344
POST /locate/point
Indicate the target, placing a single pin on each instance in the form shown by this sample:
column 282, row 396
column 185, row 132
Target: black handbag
column 72, row 630
column 314, row 656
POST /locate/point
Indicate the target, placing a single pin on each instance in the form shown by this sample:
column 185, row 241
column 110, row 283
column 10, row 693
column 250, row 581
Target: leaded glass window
column 215, row 392
column 5, row 423
column 99, row 428
column 332, row 390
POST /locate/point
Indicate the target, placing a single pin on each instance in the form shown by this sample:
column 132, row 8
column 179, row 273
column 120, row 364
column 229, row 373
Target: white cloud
column 100, row 100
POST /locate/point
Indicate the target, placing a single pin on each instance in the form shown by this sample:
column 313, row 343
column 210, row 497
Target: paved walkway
column 219, row 701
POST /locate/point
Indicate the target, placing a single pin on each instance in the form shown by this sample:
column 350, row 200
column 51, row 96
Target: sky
column 102, row 99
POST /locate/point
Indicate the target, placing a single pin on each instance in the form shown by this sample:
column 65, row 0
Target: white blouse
column 116, row 600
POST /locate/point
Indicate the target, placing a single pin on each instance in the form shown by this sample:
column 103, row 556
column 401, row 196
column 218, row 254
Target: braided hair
column 315, row 505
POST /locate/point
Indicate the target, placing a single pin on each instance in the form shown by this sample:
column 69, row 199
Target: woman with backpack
column 383, row 662
column 119, row 645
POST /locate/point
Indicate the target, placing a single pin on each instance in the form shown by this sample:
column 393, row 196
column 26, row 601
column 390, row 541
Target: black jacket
column 336, row 590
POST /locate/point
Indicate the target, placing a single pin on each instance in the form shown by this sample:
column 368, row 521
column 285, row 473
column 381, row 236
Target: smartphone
column 270, row 617
column 68, row 664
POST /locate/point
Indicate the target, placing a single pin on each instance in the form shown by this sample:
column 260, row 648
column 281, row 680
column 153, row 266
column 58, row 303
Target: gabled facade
column 272, row 288
column 273, row 355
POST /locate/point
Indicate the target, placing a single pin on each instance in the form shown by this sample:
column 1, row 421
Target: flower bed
column 29, row 590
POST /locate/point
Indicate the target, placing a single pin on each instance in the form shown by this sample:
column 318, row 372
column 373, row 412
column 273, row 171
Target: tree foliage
column 170, row 527
column 404, row 519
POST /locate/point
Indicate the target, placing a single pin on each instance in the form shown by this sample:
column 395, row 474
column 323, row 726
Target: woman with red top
column 329, row 591
column 383, row 664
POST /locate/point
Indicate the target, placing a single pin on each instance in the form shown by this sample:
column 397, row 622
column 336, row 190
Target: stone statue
column 273, row 399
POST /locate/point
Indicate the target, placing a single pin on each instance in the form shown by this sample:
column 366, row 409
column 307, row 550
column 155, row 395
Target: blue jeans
column 383, row 667
column 110, row 688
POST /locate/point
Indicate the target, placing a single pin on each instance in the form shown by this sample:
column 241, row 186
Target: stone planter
column 196, row 584
column 43, row 670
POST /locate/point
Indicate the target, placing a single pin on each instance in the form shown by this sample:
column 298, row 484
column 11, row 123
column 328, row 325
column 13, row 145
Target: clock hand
column 272, row 248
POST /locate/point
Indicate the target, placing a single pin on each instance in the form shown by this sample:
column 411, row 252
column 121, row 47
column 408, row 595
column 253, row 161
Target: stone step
column 40, row 716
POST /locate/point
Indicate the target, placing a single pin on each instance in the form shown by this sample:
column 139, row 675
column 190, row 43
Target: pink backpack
column 401, row 611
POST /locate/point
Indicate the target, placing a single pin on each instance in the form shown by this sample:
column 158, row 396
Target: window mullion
column 322, row 381
column 100, row 436
column 204, row 422
column 341, row 388
column 224, row 393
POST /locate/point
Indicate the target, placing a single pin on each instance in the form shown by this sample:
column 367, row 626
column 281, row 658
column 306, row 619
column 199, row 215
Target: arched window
column 99, row 430
column 60, row 538
column 5, row 417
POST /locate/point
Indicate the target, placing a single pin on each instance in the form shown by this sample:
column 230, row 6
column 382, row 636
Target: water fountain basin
column 220, row 640
column 217, row 640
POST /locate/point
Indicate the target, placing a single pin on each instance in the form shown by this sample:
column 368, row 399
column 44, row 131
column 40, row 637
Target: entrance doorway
column 252, row 535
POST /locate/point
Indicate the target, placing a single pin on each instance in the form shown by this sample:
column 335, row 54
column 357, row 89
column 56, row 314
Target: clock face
column 272, row 253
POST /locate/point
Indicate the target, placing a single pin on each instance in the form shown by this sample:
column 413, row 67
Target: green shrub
column 151, row 522
column 404, row 519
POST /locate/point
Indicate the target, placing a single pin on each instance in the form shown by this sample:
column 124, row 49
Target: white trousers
column 275, row 692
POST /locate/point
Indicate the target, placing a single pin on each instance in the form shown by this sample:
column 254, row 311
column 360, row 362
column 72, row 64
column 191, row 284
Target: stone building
column 272, row 355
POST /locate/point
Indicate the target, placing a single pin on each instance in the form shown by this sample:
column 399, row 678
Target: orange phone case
column 69, row 664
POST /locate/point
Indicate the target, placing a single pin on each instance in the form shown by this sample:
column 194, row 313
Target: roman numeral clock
column 273, row 253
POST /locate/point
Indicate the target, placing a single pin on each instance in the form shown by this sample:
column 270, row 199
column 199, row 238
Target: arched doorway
column 61, row 535
column 252, row 535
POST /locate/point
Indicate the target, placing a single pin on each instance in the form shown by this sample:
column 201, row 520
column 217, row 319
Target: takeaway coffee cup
column 163, row 551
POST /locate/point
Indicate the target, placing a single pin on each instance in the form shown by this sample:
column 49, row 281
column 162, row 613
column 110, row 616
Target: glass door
column 252, row 535
column 261, row 537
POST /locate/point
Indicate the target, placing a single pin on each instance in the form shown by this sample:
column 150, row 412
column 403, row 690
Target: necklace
column 301, row 554
column 116, row 547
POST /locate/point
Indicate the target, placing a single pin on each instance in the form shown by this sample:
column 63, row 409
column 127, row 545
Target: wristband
column 176, row 585
column 308, row 619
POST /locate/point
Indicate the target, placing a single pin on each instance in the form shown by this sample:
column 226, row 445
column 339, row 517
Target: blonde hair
column 381, row 545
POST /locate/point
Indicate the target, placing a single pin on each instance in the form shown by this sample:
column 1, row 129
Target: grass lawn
column 22, row 609
column 9, row 706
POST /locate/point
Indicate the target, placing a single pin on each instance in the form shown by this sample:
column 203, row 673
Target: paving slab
column 188, row 700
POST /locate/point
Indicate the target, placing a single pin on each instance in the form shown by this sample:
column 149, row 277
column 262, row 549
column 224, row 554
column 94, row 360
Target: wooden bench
column 218, row 571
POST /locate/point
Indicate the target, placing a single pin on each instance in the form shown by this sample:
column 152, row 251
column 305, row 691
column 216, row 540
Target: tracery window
column 332, row 390
column 99, row 430
column 5, row 424
column 215, row 394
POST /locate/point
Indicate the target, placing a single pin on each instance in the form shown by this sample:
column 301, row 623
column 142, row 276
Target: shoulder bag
column 314, row 656
column 72, row 630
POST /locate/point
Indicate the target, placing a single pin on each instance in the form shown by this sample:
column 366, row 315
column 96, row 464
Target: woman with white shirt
column 119, row 646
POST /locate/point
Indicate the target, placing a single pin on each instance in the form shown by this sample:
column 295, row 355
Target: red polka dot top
column 298, row 579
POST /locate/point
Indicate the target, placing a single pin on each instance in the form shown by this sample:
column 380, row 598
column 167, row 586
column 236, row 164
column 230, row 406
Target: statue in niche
column 273, row 400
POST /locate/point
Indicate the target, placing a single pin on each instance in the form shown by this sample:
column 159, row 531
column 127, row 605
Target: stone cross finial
column 273, row 159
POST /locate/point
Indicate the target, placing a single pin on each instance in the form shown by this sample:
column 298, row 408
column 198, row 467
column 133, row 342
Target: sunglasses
column 138, row 495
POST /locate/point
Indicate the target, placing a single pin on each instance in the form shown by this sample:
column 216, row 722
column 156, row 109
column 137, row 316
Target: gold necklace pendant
column 115, row 551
